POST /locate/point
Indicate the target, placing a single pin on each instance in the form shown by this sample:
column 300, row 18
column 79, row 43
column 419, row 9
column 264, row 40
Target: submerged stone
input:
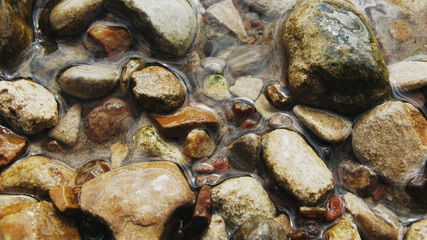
column 332, row 59
column 260, row 227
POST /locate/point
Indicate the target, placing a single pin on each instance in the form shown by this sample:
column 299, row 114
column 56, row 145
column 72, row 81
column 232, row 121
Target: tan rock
column 198, row 144
column 400, row 30
column 245, row 152
column 68, row 128
column 11, row 146
column 408, row 75
column 248, row 87
column 136, row 200
column 327, row 126
column 65, row 199
column 216, row 87
column 417, row 230
column 296, row 167
column 119, row 152
column 216, row 229
column 344, row 229
column 7, row 200
column 265, row 108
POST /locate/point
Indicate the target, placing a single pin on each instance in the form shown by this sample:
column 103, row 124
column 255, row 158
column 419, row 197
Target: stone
column 282, row 120
column 335, row 208
column 218, row 43
column 158, row 89
column 65, row 199
column 277, row 96
column 70, row 16
column 344, row 229
column 213, row 65
column 414, row 5
column 185, row 120
column 370, row 225
column 240, row 199
column 345, row 70
column 87, row 81
column 36, row 175
column 109, row 118
column 91, row 170
column 227, row 14
column 149, row 144
column 271, row 8
column 357, row 178
column 16, row 31
column 68, row 128
column 408, row 75
column 247, row 87
column 9, row 199
column 27, row 106
column 418, row 230
column 400, row 30
column 216, row 229
column 260, row 227
column 246, row 60
column 327, row 126
column 136, row 201
column 198, row 144
column 119, row 152
column 285, row 222
column 132, row 66
column 35, row 221
column 296, row 167
column 216, row 87
column 172, row 25
column 11, row 146
column 313, row 212
column 265, row 108
column 377, row 141
column 245, row 152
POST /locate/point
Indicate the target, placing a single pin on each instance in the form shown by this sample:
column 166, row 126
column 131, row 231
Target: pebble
column 70, row 16
column 198, row 144
column 277, row 96
column 327, row 126
column 226, row 14
column 119, row 152
column 400, row 30
column 357, row 178
column 408, row 75
column 313, row 212
column 377, row 141
column 132, row 66
column 246, row 60
column 216, row 87
column 9, row 199
column 260, row 227
column 65, row 199
column 216, row 229
column 247, row 87
column 265, row 108
column 36, row 175
column 418, row 230
column 68, row 128
column 87, row 81
column 27, row 106
column 296, row 167
column 185, row 120
column 35, row 221
column 245, row 152
column 213, row 65
column 11, row 146
column 136, row 201
column 240, row 199
column 282, row 120
column 158, row 89
column 109, row 118
column 271, row 8
column 344, row 229
column 91, row 170
column 335, row 208
column 216, row 44
column 171, row 24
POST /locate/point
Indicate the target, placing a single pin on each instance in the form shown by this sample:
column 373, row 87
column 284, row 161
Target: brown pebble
column 54, row 146
column 357, row 178
column 248, row 124
column 379, row 192
column 243, row 110
column 299, row 235
column 65, row 199
column 277, row 96
column 11, row 146
column 208, row 180
column 204, row 166
column 202, row 214
column 400, row 30
column 335, row 208
column 91, row 170
column 220, row 164
column 313, row 212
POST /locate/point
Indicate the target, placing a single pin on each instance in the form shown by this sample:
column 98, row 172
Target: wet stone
column 136, row 201
column 240, row 199
column 344, row 229
column 220, row 163
column 87, row 81
column 259, row 228
column 216, row 229
column 215, row 45
column 417, row 230
column 70, row 16
column 36, row 175
column 204, row 166
column 313, row 212
column 265, row 108
column 91, row 170
column 277, row 96
column 408, row 75
column 345, row 70
column 68, row 128
column 132, row 66
column 11, row 146
column 35, row 221
column 357, row 178
column 109, row 118
column 335, row 208
column 247, row 60
column 216, row 87
column 65, row 199
column 202, row 214
column 271, row 8
column 9, row 199
column 119, row 152
column 198, row 144
column 158, row 89
column 400, row 30
column 296, row 167
column 185, row 120
column 245, row 152
column 247, row 87
column 27, row 106
column 213, row 65
column 417, row 187
column 282, row 121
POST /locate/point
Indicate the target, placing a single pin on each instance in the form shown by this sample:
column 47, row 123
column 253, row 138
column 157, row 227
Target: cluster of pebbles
column 213, row 119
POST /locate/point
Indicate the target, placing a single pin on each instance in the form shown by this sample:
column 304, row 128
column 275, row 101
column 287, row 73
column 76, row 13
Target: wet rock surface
column 408, row 75
column 247, row 87
column 345, row 228
column 260, row 227
column 345, row 70
column 245, row 152
column 216, row 229
column 417, row 230
column 198, row 144
column 9, row 199
column 11, row 146
column 136, row 201
column 67, row 129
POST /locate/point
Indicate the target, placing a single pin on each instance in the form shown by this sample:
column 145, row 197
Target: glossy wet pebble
column 344, row 229
column 198, row 144
column 216, row 87
column 245, row 152
column 260, row 227
column 27, row 106
column 11, row 146
column 247, row 87
column 10, row 199
column 68, row 128
column 408, row 75
column 418, row 230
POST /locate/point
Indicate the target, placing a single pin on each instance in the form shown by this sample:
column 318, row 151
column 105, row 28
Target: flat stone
column 327, row 126
column 35, row 221
column 68, row 128
column 345, row 70
column 296, row 167
column 244, row 153
column 171, row 24
column 87, row 81
column 70, row 16
column 371, row 226
column 264, row 107
column 65, row 199
column 185, row 120
column 136, row 201
column 260, row 227
column 36, row 175
column 198, row 144
column 242, row 198
column 158, row 89
column 417, row 230
column 27, row 106
column 213, row 65
column 7, row 200
column 271, row 8
column 344, row 229
column 227, row 14
column 216, row 87
column 408, row 75
column 216, row 229
column 392, row 140
column 357, row 178
column 247, row 87
column 11, row 146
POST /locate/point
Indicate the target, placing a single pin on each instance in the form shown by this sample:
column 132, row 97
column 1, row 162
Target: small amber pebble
column 65, row 199
column 11, row 146
column 91, row 170
column 277, row 97
column 220, row 164
column 313, row 212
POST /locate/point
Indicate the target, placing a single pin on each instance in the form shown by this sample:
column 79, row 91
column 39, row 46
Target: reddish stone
column 204, row 166
column 220, row 164
column 65, row 199
column 379, row 192
column 182, row 122
column 335, row 208
column 91, row 170
column 278, row 97
column 208, row 180
column 357, row 178
column 243, row 110
column 247, row 124
column 11, row 146
column 299, row 235
column 313, row 212
column 54, row 146
column 203, row 210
